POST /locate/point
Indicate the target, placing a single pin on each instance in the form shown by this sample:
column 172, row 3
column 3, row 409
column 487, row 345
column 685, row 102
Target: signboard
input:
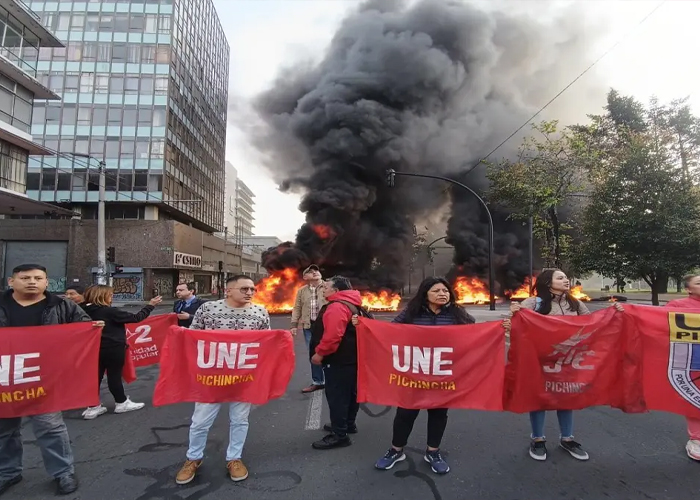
column 187, row 260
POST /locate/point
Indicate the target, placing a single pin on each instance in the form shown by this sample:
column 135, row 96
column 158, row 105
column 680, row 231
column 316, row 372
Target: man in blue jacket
column 187, row 305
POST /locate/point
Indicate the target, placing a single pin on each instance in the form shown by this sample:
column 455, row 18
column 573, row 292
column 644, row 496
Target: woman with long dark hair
column 113, row 345
column 435, row 304
column 553, row 298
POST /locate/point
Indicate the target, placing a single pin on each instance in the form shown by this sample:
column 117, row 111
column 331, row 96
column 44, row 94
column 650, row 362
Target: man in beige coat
column 308, row 303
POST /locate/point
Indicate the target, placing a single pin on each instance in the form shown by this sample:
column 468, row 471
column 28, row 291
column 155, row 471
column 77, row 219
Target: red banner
column 573, row 362
column 146, row 339
column 670, row 339
column 47, row 369
column 422, row 367
column 218, row 366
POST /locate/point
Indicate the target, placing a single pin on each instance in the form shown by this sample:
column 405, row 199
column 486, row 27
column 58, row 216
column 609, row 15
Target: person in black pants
column 113, row 347
column 433, row 305
column 333, row 345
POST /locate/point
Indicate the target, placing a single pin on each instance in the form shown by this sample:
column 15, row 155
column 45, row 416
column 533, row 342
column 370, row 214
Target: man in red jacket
column 334, row 346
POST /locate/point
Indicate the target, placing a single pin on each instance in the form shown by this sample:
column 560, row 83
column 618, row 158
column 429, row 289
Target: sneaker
column 93, row 412
column 65, row 485
column 312, row 388
column 351, row 429
column 390, row 458
column 237, row 471
column 538, row 450
column 692, row 448
column 574, row 449
column 127, row 406
column 437, row 463
column 331, row 441
column 6, row 484
column 188, row 471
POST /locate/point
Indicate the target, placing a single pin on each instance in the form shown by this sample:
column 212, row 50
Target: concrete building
column 253, row 247
column 144, row 88
column 230, row 198
column 244, row 211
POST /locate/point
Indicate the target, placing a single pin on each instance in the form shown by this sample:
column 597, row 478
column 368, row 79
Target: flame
column 577, row 293
column 612, row 299
column 471, row 291
column 324, row 232
column 523, row 292
column 278, row 291
column 382, row 301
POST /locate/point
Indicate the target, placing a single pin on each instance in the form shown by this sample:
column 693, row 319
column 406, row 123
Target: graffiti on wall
column 128, row 286
column 56, row 285
column 163, row 284
column 185, row 277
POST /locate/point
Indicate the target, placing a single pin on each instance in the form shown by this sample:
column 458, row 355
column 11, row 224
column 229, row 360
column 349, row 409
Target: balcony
column 32, row 22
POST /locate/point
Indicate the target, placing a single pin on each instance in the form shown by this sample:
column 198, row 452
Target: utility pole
column 101, row 245
column 531, row 256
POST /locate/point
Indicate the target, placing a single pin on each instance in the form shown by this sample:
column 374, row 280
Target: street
column 135, row 456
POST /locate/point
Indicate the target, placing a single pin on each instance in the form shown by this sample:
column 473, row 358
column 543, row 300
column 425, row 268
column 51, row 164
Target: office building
column 144, row 89
column 230, row 198
column 244, row 210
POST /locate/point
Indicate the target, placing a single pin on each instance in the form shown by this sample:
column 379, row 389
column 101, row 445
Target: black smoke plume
column 429, row 87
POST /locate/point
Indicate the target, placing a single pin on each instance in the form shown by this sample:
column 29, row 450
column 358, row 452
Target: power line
column 529, row 120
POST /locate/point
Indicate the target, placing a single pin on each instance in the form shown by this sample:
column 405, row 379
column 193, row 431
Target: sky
column 658, row 58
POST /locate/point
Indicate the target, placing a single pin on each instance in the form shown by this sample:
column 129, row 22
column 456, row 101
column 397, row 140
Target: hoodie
column 334, row 336
column 114, row 331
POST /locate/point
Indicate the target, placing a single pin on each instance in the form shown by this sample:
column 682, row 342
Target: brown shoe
column 188, row 471
column 312, row 388
column 236, row 470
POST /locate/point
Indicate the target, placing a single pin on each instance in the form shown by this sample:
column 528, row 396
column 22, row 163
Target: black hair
column 340, row 283
column 419, row 302
column 27, row 267
column 236, row 278
column 79, row 289
column 543, row 284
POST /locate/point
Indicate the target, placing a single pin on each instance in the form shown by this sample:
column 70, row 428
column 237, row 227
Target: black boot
column 332, row 441
column 6, row 484
column 67, row 484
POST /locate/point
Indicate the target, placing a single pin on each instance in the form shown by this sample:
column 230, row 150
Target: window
column 110, row 183
column 87, row 82
column 142, row 146
column 53, row 114
column 33, row 180
column 55, row 84
column 97, row 147
column 99, row 116
column 155, row 182
column 75, row 51
column 63, row 21
column 112, row 148
column 39, row 116
column 133, row 53
column 102, row 84
column 148, row 54
column 48, row 180
column 145, row 117
column 78, row 179
column 130, row 117
column 119, row 52
column 127, row 149
column 159, row 117
column 162, row 54
column 115, row 116
column 161, row 85
column 131, row 85
column 151, row 23
column 157, row 148
column 64, row 181
column 140, row 181
column 78, row 23
column 116, row 85
column 72, row 83
column 106, row 23
column 137, row 22
column 164, row 24
column 147, row 84
column 104, row 52
column 23, row 111
column 89, row 52
column 84, row 115
column 121, row 23
column 93, row 22
column 125, row 181
column 68, row 115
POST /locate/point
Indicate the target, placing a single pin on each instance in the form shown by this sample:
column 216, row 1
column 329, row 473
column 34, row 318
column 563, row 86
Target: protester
column 433, row 305
column 76, row 294
column 27, row 304
column 333, row 345
column 308, row 302
column 236, row 312
column 692, row 302
column 553, row 298
column 113, row 345
column 187, row 304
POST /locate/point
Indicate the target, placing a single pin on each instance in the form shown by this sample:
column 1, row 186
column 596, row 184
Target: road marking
column 313, row 418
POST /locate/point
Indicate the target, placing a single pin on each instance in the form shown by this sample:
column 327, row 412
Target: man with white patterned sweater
column 236, row 312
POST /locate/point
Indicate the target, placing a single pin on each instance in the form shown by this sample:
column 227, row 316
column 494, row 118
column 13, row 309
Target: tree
column 548, row 174
column 643, row 220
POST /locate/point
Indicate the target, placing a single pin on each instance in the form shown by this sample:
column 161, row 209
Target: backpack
column 359, row 311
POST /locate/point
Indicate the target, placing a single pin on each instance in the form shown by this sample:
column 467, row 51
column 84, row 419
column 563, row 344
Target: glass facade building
column 144, row 88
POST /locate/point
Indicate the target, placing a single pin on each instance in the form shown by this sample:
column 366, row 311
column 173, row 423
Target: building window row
column 106, row 22
column 13, row 167
column 84, row 180
column 15, row 104
column 118, row 52
column 99, row 116
column 105, row 83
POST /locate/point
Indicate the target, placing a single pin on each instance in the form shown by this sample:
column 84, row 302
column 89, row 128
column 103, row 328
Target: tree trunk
column 556, row 248
column 662, row 281
column 679, row 284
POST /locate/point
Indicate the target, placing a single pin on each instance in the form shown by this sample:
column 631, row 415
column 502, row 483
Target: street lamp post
column 390, row 180
column 101, row 245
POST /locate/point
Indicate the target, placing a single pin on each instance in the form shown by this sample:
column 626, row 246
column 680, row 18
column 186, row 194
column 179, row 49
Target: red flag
column 218, row 366
column 671, row 357
column 129, row 370
column 572, row 362
column 422, row 367
column 146, row 339
column 46, row 369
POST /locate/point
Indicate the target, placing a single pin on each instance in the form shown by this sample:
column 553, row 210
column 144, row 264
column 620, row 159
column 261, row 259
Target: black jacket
column 191, row 309
column 114, row 331
column 58, row 310
column 347, row 349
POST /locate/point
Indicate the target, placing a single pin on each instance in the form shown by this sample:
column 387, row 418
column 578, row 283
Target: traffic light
column 390, row 177
column 111, row 254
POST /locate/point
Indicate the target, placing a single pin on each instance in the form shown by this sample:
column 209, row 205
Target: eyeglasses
column 245, row 289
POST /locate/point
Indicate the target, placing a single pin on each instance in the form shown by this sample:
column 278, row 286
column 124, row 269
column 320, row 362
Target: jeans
column 51, row 437
column 316, row 370
column 693, row 428
column 112, row 361
column 202, row 420
column 403, row 425
column 566, row 424
column 341, row 394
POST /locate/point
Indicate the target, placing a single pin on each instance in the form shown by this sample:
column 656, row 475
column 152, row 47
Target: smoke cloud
column 428, row 87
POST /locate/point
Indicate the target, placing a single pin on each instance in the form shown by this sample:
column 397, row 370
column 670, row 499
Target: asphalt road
column 135, row 456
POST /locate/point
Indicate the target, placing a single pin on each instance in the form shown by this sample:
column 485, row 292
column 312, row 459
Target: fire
column 523, row 292
column 471, row 291
column 324, row 232
column 612, row 299
column 577, row 293
column 382, row 301
column 278, row 291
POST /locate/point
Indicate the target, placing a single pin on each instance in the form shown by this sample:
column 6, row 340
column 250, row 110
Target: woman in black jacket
column 113, row 346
